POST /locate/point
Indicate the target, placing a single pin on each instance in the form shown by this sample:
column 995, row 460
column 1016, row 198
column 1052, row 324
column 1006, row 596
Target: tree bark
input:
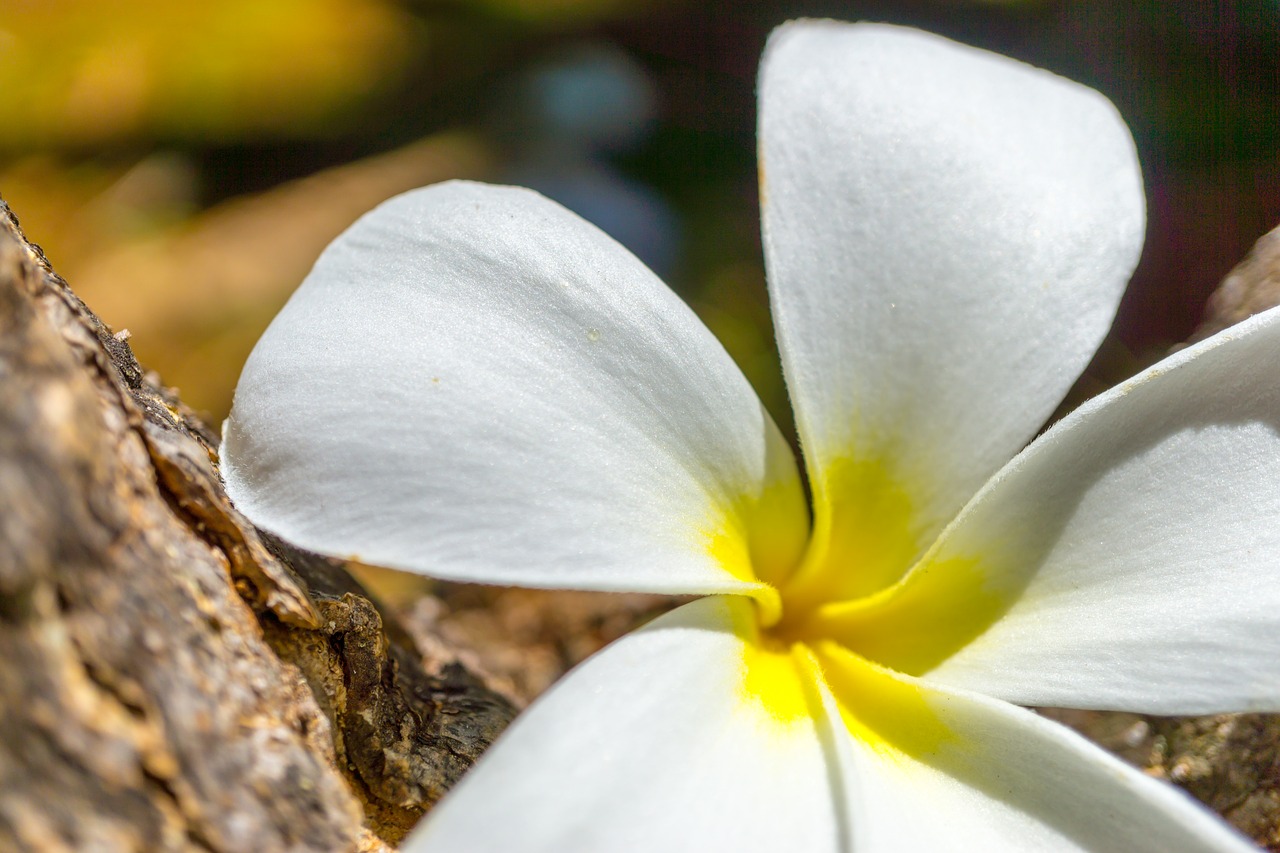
column 170, row 679
column 173, row 679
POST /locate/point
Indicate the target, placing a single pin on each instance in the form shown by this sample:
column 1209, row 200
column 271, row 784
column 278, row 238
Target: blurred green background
column 183, row 164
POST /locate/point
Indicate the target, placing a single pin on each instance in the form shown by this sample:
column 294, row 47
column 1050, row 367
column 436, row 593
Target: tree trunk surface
column 172, row 678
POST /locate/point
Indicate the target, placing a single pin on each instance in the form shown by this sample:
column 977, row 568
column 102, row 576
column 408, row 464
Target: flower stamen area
column 855, row 621
column 788, row 678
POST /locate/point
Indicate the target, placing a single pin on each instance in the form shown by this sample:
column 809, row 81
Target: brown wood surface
column 169, row 679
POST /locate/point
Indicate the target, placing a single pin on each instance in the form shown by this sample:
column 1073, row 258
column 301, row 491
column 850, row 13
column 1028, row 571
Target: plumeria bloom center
column 847, row 612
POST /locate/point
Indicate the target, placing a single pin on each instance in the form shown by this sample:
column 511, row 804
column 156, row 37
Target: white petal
column 1128, row 559
column 476, row 384
column 654, row 744
column 991, row 776
column 948, row 233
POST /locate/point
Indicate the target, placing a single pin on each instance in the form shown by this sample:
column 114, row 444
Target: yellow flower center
column 865, row 605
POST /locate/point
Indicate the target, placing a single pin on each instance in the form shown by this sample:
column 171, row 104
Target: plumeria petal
column 475, row 384
column 674, row 738
column 948, row 233
column 947, row 770
column 1126, row 560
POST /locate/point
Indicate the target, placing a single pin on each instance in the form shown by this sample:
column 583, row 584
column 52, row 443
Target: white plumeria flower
column 477, row 385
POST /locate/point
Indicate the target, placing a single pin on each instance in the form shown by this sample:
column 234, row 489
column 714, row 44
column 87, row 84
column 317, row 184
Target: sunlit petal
column 475, row 384
column 948, row 233
column 674, row 739
column 1127, row 559
column 945, row 770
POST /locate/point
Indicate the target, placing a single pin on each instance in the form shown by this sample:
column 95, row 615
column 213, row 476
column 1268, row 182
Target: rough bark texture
column 1253, row 286
column 1231, row 762
column 169, row 680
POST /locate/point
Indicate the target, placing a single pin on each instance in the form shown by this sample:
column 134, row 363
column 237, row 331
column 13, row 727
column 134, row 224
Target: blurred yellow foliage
column 81, row 72
column 197, row 293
